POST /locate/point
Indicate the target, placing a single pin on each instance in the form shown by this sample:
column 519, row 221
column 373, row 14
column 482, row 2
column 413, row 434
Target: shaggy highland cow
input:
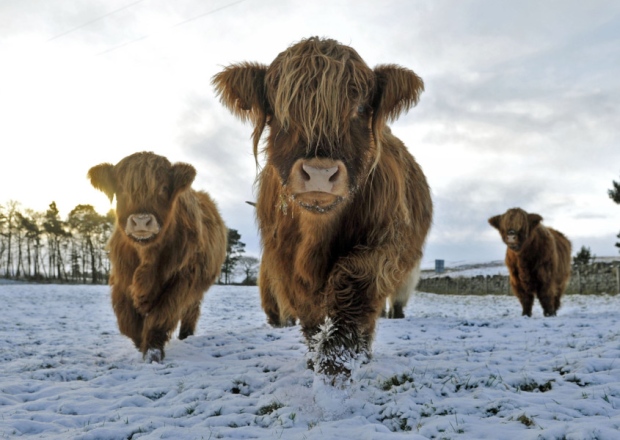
column 398, row 299
column 538, row 259
column 343, row 208
column 166, row 250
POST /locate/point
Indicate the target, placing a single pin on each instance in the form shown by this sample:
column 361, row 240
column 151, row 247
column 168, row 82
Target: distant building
column 439, row 266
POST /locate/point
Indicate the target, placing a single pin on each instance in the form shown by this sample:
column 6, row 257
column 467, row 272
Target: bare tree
column 249, row 269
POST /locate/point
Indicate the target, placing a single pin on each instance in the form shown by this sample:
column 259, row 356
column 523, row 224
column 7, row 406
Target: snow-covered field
column 455, row 368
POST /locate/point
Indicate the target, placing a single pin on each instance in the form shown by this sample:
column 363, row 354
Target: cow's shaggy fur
column 343, row 208
column 538, row 259
column 166, row 250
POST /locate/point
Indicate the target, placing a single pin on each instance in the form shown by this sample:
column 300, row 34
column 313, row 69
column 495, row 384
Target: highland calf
column 343, row 208
column 538, row 259
column 166, row 250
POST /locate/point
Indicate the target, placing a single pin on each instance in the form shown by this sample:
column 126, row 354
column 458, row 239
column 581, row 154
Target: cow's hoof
column 280, row 323
column 339, row 368
column 154, row 355
column 335, row 372
column 337, row 376
column 397, row 311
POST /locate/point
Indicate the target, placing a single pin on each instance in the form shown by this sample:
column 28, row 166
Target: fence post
column 579, row 281
column 618, row 279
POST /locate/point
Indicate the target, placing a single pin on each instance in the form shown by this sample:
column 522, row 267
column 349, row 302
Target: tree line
column 43, row 247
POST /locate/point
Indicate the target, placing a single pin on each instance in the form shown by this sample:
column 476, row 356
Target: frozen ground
column 456, row 368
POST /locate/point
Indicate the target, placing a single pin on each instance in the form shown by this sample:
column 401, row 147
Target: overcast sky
column 521, row 108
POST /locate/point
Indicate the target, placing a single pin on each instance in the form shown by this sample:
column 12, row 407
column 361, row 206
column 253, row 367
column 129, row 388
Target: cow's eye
column 164, row 191
column 359, row 111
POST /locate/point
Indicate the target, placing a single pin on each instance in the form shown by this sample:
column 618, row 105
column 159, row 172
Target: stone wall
column 596, row 278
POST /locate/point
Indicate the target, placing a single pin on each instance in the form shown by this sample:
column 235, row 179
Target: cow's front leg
column 354, row 297
column 130, row 322
column 269, row 301
column 189, row 319
column 526, row 298
column 336, row 346
column 547, row 300
column 145, row 288
column 163, row 318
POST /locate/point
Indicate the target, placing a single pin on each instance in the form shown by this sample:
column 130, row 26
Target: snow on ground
column 466, row 367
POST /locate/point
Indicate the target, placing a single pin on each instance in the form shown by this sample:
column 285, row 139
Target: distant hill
column 469, row 269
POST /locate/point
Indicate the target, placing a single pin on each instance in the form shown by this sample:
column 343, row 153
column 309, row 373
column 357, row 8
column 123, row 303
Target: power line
column 206, row 13
column 95, row 20
column 180, row 23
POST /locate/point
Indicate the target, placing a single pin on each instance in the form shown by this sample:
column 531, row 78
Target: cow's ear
column 241, row 88
column 495, row 220
column 533, row 220
column 181, row 177
column 397, row 90
column 102, row 177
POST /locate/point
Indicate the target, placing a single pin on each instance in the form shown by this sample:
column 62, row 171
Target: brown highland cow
column 398, row 299
column 343, row 208
column 538, row 259
column 166, row 250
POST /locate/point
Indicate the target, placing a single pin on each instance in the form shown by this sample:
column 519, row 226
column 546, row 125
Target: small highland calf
column 343, row 208
column 538, row 259
column 166, row 250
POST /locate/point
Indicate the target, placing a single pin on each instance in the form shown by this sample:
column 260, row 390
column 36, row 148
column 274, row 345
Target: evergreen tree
column 56, row 236
column 584, row 256
column 234, row 249
column 614, row 194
